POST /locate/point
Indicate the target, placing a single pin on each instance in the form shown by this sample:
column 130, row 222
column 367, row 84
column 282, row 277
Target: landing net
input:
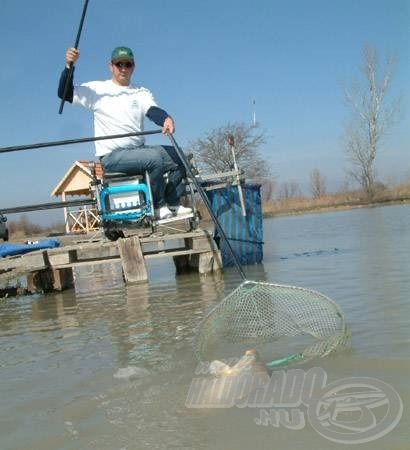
column 286, row 324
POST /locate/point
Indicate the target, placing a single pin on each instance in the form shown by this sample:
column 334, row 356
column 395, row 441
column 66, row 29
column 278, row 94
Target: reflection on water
column 108, row 366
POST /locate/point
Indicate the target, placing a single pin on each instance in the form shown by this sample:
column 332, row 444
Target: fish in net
column 286, row 324
column 283, row 324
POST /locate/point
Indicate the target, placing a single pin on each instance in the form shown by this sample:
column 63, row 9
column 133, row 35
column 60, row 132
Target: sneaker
column 163, row 213
column 180, row 210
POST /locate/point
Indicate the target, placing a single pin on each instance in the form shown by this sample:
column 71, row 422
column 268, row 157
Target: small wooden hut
column 76, row 182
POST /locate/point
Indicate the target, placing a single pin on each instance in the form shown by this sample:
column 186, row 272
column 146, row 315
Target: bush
column 23, row 228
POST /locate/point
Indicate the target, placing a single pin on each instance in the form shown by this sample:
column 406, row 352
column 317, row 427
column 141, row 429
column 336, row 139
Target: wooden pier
column 52, row 269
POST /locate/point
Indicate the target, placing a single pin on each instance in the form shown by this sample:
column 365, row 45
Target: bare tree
column 213, row 152
column 317, row 183
column 268, row 190
column 289, row 189
column 371, row 117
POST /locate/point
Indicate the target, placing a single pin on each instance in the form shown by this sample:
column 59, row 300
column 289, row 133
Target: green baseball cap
column 122, row 53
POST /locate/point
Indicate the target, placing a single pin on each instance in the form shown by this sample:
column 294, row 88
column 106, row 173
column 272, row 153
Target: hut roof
column 76, row 181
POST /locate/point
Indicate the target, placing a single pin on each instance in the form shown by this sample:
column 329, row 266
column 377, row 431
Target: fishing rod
column 71, row 70
column 44, row 206
column 17, row 148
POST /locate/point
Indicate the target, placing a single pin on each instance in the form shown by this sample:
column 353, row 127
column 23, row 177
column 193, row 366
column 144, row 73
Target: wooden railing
column 82, row 220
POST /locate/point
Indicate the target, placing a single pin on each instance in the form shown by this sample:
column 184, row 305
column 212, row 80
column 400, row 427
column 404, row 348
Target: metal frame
column 115, row 221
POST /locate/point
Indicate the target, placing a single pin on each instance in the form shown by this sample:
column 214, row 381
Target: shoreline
column 344, row 206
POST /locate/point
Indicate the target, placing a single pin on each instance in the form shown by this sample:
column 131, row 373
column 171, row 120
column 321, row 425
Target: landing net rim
column 341, row 334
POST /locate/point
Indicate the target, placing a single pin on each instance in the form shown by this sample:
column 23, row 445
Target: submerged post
column 132, row 259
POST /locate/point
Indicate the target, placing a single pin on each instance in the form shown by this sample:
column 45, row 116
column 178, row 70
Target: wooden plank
column 148, row 255
column 201, row 243
column 58, row 259
column 88, row 262
column 101, row 251
column 167, row 253
column 132, row 260
column 69, row 256
column 84, row 246
column 90, row 253
column 167, row 237
column 157, row 247
column 29, row 262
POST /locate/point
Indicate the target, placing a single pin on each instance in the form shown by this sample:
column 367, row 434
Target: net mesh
column 286, row 324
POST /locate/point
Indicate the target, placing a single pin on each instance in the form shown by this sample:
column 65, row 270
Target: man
column 119, row 107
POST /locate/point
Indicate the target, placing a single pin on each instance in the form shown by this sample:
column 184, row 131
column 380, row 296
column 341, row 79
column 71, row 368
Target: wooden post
column 40, row 281
column 206, row 262
column 67, row 225
column 87, row 227
column 63, row 278
column 132, row 260
column 217, row 262
column 182, row 264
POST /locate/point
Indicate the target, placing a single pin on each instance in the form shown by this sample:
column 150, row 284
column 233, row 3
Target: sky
column 208, row 64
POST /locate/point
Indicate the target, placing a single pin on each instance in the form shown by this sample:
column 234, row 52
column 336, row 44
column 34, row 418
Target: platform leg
column 40, row 281
column 132, row 260
column 206, row 262
column 63, row 279
column 182, row 264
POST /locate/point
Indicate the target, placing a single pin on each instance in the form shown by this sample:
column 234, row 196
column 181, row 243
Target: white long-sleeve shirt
column 117, row 110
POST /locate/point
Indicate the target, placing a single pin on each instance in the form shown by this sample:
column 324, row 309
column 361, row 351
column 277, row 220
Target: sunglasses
column 122, row 64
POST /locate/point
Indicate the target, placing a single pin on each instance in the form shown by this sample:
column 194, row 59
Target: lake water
column 109, row 366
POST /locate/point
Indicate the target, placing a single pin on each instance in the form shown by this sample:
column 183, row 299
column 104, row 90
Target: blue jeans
column 156, row 160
